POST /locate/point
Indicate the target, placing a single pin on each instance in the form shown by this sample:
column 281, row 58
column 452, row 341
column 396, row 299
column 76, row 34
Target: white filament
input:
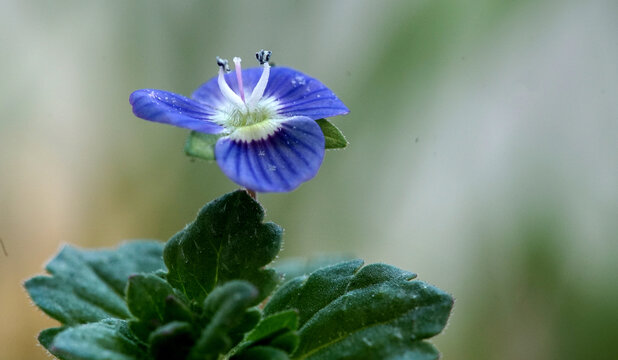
column 227, row 92
column 258, row 91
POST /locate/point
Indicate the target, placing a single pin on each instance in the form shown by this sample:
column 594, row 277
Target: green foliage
column 227, row 241
column 333, row 137
column 108, row 339
column 274, row 333
column 173, row 340
column 197, row 299
column 88, row 285
column 295, row 267
column 374, row 312
column 263, row 353
column 147, row 298
column 47, row 336
column 226, row 307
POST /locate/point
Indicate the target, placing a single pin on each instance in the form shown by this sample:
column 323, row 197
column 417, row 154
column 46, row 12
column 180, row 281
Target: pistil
column 238, row 69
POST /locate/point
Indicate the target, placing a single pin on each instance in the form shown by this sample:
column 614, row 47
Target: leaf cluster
column 208, row 293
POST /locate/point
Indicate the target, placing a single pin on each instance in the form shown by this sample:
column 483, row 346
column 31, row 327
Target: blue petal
column 302, row 95
column 169, row 108
column 279, row 163
column 297, row 93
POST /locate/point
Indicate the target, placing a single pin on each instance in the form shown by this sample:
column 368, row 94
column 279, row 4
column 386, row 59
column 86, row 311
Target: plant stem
column 252, row 193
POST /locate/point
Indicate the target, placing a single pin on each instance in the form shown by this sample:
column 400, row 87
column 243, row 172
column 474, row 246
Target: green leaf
column 200, row 145
column 333, row 136
column 227, row 241
column 226, row 308
column 171, row 341
column 371, row 312
column 272, row 325
column 147, row 300
column 384, row 347
column 299, row 266
column 312, row 293
column 275, row 331
column 108, row 339
column 88, row 285
column 47, row 336
column 176, row 310
column 263, row 353
column 146, row 296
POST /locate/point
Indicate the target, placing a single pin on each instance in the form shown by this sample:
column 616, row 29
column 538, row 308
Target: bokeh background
column 483, row 150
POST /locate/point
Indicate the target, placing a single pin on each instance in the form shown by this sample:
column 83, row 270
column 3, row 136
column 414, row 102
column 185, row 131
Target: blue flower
column 266, row 116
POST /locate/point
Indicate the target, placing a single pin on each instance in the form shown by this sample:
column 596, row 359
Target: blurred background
column 483, row 150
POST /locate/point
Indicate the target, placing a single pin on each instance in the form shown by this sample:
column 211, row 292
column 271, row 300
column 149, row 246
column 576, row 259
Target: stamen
column 239, row 77
column 223, row 63
column 263, row 56
column 225, row 89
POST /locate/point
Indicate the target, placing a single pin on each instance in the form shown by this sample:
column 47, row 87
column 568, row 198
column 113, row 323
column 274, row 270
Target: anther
column 224, row 64
column 263, row 56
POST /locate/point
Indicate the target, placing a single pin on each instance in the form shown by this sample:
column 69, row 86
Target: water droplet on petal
column 300, row 80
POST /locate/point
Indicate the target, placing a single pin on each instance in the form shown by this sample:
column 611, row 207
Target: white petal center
column 255, row 119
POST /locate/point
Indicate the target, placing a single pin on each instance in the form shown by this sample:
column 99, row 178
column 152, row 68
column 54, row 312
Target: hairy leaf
column 147, row 298
column 372, row 312
column 275, row 331
column 176, row 310
column 108, row 339
column 88, row 285
column 263, row 353
column 333, row 137
column 171, row 341
column 226, row 309
column 227, row 241
column 290, row 268
column 200, row 145
column 47, row 336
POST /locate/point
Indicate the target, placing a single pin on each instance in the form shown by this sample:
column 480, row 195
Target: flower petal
column 297, row 93
column 170, row 108
column 279, row 163
column 302, row 95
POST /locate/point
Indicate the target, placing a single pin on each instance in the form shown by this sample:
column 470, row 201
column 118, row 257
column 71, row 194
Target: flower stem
column 252, row 193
